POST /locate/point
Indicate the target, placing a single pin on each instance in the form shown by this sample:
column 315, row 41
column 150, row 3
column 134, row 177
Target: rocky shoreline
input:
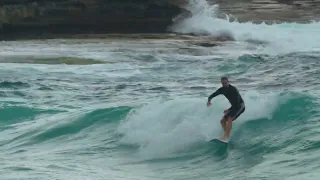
column 25, row 19
column 36, row 19
column 271, row 11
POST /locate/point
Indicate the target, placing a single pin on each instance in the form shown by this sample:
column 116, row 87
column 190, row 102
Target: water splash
column 280, row 38
column 161, row 129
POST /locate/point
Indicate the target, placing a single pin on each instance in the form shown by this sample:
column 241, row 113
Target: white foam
column 279, row 38
column 162, row 128
column 51, row 49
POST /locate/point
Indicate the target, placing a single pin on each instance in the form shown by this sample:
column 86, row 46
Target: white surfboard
column 219, row 140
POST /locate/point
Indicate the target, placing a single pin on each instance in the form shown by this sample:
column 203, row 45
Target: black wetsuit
column 235, row 99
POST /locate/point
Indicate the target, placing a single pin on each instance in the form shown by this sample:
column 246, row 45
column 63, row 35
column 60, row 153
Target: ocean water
column 136, row 108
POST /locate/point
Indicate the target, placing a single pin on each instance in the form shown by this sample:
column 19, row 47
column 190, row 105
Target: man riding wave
column 236, row 109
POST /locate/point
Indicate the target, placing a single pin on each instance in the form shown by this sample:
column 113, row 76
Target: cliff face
column 32, row 18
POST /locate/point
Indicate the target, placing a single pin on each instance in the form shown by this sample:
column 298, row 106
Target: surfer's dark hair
column 224, row 78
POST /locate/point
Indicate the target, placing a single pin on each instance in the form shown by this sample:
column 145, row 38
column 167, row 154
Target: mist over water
column 136, row 108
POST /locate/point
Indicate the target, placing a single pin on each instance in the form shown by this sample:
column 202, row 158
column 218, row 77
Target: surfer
column 237, row 105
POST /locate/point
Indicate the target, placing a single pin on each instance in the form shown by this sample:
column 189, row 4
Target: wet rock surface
column 27, row 18
column 37, row 19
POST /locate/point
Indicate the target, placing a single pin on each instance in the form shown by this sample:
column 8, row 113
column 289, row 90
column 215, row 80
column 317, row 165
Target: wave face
column 136, row 108
column 277, row 133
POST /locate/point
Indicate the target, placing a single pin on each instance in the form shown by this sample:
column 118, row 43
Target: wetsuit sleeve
column 218, row 92
column 238, row 96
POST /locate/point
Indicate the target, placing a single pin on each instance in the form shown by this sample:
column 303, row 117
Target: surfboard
column 219, row 148
column 219, row 141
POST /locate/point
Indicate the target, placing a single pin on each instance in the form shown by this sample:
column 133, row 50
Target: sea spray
column 161, row 128
column 281, row 38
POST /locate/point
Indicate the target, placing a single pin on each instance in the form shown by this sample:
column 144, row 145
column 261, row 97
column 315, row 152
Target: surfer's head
column 225, row 82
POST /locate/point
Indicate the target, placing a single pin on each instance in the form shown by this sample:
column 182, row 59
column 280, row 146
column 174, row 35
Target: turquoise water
column 136, row 108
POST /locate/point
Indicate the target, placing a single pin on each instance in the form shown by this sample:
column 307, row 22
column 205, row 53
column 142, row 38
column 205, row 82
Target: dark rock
column 22, row 19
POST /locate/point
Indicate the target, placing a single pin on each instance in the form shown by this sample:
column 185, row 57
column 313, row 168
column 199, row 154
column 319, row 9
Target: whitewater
column 135, row 108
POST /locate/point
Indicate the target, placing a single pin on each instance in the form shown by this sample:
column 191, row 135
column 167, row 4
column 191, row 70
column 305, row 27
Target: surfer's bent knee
column 229, row 118
column 224, row 119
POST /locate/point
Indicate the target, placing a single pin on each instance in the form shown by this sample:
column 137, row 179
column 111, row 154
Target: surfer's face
column 225, row 83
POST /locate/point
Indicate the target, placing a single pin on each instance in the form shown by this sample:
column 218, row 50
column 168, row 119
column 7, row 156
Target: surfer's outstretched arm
column 218, row 92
